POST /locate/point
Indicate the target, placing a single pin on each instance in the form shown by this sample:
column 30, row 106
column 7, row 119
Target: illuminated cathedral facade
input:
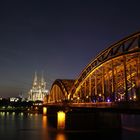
column 38, row 90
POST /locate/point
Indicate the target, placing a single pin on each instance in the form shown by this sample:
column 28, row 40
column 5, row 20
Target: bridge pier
column 79, row 119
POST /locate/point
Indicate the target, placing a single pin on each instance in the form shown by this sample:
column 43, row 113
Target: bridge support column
column 130, row 73
column 138, row 79
column 85, row 89
column 95, row 83
column 90, row 86
column 125, row 79
column 103, row 85
column 113, row 96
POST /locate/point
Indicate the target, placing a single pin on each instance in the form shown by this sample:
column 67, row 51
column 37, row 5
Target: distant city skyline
column 58, row 37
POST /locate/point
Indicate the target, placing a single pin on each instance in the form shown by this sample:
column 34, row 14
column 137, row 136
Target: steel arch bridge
column 60, row 90
column 113, row 75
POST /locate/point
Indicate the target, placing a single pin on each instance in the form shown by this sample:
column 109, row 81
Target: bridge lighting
column 87, row 96
column 100, row 95
column 44, row 122
column 113, row 73
column 71, row 99
column 61, row 120
column 108, row 100
column 44, row 110
column 36, row 108
column 78, row 98
column 94, row 101
column 134, row 97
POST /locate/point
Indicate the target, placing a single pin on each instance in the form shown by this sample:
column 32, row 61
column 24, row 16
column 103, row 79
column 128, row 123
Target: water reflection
column 61, row 120
column 131, row 126
column 44, row 122
column 23, row 126
column 44, row 128
column 2, row 114
column 60, row 136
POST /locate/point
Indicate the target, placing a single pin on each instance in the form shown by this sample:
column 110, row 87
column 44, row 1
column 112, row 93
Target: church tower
column 38, row 90
column 35, row 80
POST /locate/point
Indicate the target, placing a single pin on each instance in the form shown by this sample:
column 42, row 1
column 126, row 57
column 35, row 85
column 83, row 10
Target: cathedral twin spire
column 38, row 90
column 40, row 81
column 35, row 79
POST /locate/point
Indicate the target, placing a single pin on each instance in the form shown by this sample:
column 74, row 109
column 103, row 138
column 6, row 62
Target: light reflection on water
column 21, row 126
column 60, row 136
column 44, row 122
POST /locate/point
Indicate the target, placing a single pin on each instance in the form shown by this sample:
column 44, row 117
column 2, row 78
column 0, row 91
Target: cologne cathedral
column 38, row 90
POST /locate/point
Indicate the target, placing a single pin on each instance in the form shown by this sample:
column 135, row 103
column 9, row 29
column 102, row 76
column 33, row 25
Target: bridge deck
column 127, row 107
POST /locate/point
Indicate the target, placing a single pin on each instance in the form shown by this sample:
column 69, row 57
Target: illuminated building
column 38, row 90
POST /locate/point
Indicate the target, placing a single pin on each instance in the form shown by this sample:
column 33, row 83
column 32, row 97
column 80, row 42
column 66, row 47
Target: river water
column 19, row 126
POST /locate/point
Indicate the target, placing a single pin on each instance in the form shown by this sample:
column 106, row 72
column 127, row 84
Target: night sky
column 58, row 37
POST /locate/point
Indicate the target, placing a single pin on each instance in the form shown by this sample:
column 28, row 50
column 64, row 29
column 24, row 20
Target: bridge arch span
column 113, row 75
column 60, row 90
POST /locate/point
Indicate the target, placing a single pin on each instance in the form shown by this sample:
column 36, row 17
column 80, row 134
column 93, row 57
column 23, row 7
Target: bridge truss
column 114, row 75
